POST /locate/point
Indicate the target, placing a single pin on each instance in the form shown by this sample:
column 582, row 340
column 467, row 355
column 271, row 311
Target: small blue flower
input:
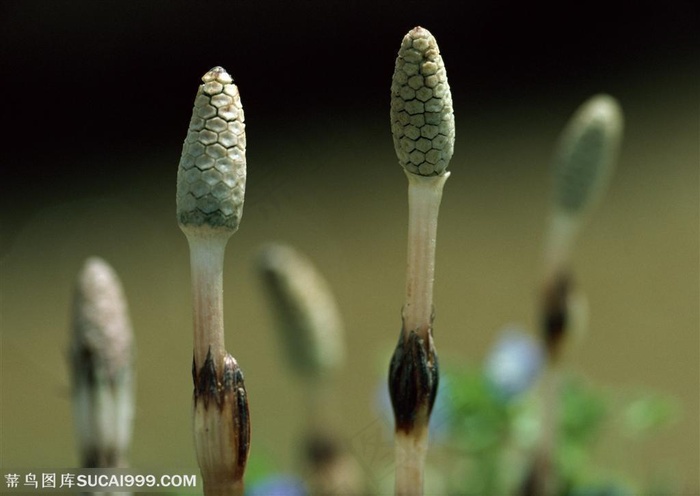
column 513, row 364
column 278, row 485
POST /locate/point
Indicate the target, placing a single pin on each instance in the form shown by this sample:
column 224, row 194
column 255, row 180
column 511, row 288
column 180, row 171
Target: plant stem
column 221, row 417
column 414, row 373
column 221, row 425
column 422, row 125
column 424, row 196
column 411, row 450
column 207, row 248
column 562, row 234
column 545, row 473
column 210, row 194
column 583, row 164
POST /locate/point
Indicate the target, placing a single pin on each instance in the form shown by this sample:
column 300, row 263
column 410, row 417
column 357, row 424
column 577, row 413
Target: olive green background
column 98, row 101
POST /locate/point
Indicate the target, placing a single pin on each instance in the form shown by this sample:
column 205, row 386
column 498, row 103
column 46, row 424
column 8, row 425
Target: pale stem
column 545, row 458
column 207, row 249
column 424, row 195
column 411, row 450
column 561, row 236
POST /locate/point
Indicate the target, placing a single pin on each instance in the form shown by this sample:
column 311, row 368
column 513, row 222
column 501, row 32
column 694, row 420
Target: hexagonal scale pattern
column 212, row 171
column 422, row 119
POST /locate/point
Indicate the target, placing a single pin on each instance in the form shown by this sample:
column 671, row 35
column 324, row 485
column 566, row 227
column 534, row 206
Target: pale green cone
column 306, row 312
column 422, row 119
column 212, row 173
column 586, row 155
column 583, row 164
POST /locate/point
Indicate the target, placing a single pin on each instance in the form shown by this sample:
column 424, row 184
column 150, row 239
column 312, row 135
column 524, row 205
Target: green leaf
column 650, row 413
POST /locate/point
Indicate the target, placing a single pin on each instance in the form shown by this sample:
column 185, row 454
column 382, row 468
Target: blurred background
column 97, row 99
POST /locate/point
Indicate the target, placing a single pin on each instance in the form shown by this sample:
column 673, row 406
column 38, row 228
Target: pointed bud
column 422, row 121
column 101, row 360
column 413, row 381
column 221, row 425
column 212, row 174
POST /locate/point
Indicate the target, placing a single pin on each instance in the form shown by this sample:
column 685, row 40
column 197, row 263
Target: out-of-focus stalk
column 584, row 161
column 102, row 367
column 306, row 313
column 311, row 330
column 583, row 165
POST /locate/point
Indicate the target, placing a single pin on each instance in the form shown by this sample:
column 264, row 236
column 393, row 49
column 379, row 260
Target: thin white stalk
column 561, row 238
column 424, row 196
column 411, row 450
column 207, row 249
